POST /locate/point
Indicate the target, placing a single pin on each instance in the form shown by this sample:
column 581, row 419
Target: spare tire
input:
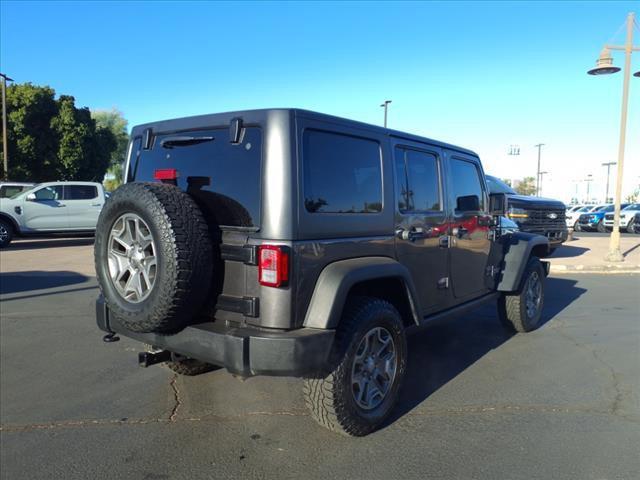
column 153, row 257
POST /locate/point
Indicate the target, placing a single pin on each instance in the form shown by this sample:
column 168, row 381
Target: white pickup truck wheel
column 6, row 233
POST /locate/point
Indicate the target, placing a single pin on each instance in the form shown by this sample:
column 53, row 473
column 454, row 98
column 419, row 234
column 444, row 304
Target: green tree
column 114, row 121
column 526, row 186
column 51, row 139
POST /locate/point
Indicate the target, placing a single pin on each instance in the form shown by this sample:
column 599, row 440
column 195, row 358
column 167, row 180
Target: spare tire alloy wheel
column 374, row 368
column 132, row 258
column 153, row 257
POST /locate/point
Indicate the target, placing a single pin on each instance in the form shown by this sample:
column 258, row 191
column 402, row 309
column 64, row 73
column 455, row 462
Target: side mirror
column 497, row 204
column 468, row 203
column 31, row 197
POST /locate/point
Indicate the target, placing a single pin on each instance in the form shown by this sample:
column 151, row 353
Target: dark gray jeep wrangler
column 287, row 242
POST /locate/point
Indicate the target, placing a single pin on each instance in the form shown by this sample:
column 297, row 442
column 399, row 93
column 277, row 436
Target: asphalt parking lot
column 478, row 402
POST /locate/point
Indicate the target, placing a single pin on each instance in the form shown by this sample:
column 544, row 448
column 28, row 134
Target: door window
column 417, row 181
column 468, row 194
column 80, row 192
column 49, row 193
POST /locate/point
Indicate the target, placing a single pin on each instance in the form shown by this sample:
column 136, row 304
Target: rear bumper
column 242, row 351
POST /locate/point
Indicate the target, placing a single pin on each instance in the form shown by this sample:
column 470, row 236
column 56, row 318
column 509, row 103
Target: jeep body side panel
column 337, row 279
column 517, row 249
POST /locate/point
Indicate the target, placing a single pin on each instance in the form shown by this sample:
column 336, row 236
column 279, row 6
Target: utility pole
column 385, row 106
column 608, row 165
column 539, row 147
column 5, row 160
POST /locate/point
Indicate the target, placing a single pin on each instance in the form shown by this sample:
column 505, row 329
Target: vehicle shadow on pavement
column 35, row 243
column 569, row 251
column 38, row 280
column 445, row 349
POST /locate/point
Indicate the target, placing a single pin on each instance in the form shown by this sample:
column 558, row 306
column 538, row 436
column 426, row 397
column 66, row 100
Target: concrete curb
column 608, row 268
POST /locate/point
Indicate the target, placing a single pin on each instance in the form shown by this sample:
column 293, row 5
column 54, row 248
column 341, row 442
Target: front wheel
column 601, row 228
column 522, row 311
column 577, row 227
column 6, row 233
column 370, row 357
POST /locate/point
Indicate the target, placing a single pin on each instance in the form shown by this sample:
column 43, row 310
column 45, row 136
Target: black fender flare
column 517, row 248
column 336, row 280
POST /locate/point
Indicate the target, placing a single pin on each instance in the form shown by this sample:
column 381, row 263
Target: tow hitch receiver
column 146, row 359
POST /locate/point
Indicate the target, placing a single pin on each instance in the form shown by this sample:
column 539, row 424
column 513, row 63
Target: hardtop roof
column 260, row 115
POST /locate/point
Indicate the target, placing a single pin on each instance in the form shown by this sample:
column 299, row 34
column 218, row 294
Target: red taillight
column 165, row 174
column 273, row 266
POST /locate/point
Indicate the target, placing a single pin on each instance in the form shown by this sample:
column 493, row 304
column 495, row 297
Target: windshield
column 25, row 191
column 633, row 206
column 498, row 186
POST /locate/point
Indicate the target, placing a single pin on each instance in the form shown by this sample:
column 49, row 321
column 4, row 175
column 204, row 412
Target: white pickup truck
column 52, row 207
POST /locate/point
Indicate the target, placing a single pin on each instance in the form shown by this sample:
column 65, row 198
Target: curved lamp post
column 604, row 66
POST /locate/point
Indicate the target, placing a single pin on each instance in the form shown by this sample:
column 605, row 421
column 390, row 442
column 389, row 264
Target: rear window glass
column 80, row 192
column 223, row 177
column 342, row 174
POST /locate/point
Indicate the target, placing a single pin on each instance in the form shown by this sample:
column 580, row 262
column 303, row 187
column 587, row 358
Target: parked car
column 542, row 216
column 287, row 242
column 634, row 226
column 572, row 217
column 11, row 189
column 594, row 220
column 627, row 218
column 52, row 207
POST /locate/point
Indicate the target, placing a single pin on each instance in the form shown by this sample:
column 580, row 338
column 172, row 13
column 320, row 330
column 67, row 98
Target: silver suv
column 287, row 242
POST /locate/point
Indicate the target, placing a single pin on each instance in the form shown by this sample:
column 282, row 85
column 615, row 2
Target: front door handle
column 61, row 205
column 96, row 204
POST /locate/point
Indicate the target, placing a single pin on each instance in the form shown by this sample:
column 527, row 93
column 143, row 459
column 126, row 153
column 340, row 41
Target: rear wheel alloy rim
column 533, row 294
column 374, row 368
column 4, row 233
column 132, row 258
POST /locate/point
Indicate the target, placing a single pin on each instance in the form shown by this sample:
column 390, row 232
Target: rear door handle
column 96, row 205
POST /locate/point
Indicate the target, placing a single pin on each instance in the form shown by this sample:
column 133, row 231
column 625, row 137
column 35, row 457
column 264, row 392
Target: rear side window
column 467, row 189
column 417, row 182
column 223, row 177
column 342, row 173
column 80, row 192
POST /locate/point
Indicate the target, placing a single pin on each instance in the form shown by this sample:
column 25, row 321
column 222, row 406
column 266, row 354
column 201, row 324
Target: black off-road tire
column 6, row 233
column 601, row 227
column 329, row 396
column 512, row 309
column 183, row 252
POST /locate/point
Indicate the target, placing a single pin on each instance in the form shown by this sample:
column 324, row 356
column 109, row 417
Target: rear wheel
column 577, row 227
column 601, row 228
column 6, row 233
column 522, row 311
column 631, row 227
column 359, row 392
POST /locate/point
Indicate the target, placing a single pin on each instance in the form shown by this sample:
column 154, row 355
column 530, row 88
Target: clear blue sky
column 482, row 75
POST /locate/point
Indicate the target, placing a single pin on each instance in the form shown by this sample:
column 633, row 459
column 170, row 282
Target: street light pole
column 604, row 65
column 539, row 146
column 385, row 105
column 5, row 160
column 588, row 180
column 608, row 165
